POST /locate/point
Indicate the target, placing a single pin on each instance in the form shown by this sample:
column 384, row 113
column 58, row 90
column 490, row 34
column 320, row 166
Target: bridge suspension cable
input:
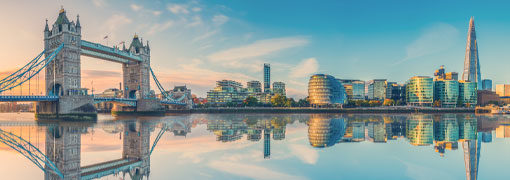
column 28, row 150
column 28, row 71
column 166, row 96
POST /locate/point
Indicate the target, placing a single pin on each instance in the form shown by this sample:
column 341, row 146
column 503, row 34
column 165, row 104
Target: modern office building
column 395, row 91
column 419, row 91
column 358, row 90
column 486, row 84
column 325, row 90
column 440, row 73
column 420, row 129
column 486, row 97
column 279, row 88
column 452, row 76
column 267, row 78
column 503, row 89
column 472, row 62
column 468, row 93
column 446, row 92
column 355, row 89
column 254, row 86
column 227, row 91
column 377, row 89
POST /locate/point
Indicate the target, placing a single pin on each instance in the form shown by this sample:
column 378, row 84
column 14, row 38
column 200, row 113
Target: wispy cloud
column 156, row 13
column 250, row 171
column 135, row 7
column 100, row 74
column 258, row 48
column 220, row 19
column 305, row 68
column 159, row 27
column 178, row 8
column 205, row 36
column 114, row 23
column 99, row 3
column 435, row 39
column 304, row 153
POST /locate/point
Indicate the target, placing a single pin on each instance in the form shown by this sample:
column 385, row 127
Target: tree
column 388, row 102
column 290, row 102
column 374, row 103
column 460, row 102
column 437, row 103
column 250, row 101
column 303, row 102
column 278, row 100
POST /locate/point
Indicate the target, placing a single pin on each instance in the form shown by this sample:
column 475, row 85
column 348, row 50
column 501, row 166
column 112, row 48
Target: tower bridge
column 64, row 96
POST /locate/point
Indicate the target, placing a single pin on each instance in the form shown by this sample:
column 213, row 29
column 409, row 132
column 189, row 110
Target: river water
column 261, row 146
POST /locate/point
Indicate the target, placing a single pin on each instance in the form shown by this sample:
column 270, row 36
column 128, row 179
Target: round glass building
column 325, row 90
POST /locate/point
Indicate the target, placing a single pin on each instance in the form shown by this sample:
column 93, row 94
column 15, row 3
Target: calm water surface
column 265, row 146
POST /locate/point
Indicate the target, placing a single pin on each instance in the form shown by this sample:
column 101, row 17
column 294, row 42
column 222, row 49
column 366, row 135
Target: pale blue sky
column 198, row 42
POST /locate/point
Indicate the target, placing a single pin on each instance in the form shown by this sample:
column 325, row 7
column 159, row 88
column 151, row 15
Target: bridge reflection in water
column 61, row 158
column 444, row 132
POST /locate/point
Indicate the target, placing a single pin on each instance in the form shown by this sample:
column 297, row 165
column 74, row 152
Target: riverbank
column 376, row 110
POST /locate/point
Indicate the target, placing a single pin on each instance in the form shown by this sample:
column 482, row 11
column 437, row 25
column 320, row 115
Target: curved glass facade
column 468, row 93
column 419, row 91
column 325, row 131
column 325, row 90
column 446, row 91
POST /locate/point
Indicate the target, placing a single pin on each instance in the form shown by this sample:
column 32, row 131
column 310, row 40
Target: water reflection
column 139, row 136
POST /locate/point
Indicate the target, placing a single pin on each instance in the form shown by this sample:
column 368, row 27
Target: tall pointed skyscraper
column 471, row 61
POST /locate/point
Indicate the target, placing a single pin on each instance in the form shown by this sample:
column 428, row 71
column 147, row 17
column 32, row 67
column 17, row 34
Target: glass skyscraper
column 471, row 62
column 267, row 78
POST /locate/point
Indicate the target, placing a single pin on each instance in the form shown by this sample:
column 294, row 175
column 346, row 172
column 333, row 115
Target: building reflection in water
column 324, row 131
column 63, row 147
column 233, row 127
column 446, row 132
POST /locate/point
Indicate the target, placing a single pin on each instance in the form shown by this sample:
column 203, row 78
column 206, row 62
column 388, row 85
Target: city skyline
column 197, row 43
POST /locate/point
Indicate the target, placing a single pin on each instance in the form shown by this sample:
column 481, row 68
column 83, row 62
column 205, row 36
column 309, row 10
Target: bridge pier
column 74, row 107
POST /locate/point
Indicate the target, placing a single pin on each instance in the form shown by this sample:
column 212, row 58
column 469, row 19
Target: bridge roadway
column 108, row 168
column 27, row 98
column 131, row 102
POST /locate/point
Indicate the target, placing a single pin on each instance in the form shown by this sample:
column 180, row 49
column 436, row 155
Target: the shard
column 471, row 62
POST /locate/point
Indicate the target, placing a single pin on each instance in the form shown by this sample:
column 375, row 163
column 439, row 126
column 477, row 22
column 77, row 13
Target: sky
column 196, row 43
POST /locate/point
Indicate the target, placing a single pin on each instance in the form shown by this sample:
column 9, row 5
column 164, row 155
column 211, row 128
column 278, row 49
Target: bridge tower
column 63, row 74
column 63, row 147
column 136, row 75
column 136, row 146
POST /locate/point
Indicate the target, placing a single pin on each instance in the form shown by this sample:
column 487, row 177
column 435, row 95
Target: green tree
column 250, row 101
column 303, row 102
column 278, row 100
column 388, row 102
column 437, row 103
column 290, row 102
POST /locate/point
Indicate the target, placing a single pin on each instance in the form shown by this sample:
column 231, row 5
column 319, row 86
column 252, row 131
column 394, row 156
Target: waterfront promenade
column 391, row 109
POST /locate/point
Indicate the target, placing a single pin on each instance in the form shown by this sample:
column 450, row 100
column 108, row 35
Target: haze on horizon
column 196, row 43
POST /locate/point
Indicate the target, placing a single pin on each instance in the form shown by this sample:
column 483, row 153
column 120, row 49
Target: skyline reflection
column 442, row 132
